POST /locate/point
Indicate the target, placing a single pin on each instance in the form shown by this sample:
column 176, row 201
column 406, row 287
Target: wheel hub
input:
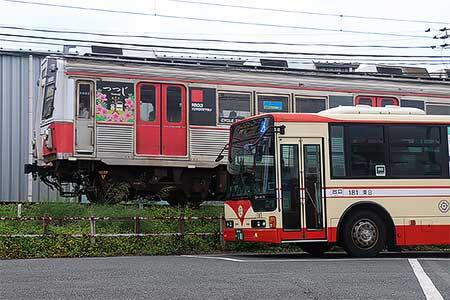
column 365, row 234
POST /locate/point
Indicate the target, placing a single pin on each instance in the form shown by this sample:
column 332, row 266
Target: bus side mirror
column 219, row 158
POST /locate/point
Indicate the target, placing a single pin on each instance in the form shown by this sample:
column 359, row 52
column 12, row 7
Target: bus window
column 366, row 149
column 337, row 150
column 233, row 106
column 272, row 103
column 415, row 151
column 290, row 189
column 309, row 105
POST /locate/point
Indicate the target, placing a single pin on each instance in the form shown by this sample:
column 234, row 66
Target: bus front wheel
column 363, row 234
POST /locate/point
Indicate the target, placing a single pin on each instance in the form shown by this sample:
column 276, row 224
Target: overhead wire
column 221, row 49
column 215, row 54
column 155, row 14
column 93, row 33
column 308, row 12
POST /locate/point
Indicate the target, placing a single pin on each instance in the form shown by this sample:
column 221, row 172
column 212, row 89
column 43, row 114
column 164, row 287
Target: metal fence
column 92, row 234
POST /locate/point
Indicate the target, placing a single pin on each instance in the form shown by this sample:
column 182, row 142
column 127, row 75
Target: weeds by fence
column 92, row 234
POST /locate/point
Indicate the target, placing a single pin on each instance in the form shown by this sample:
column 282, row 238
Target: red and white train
column 116, row 128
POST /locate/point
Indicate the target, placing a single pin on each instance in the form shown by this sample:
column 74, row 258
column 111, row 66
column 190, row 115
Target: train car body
column 120, row 128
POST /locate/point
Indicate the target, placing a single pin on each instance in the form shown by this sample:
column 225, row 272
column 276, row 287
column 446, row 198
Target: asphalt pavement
column 291, row 276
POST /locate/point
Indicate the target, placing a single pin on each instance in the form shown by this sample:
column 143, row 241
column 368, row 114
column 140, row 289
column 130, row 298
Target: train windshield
column 252, row 163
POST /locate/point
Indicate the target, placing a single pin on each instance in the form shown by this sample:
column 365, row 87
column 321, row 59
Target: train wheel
column 316, row 249
column 109, row 191
column 176, row 197
column 363, row 234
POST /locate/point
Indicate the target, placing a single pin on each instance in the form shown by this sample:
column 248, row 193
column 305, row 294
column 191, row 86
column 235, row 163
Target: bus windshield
column 252, row 163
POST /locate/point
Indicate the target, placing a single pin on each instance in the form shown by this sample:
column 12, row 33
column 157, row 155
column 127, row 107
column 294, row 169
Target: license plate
column 239, row 235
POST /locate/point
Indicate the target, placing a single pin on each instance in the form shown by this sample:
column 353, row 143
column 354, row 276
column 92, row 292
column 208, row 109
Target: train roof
column 231, row 65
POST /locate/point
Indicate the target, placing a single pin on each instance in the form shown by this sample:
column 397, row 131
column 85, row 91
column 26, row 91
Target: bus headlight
column 229, row 224
column 258, row 223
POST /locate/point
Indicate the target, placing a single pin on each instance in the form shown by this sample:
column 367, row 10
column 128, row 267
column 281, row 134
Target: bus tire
column 316, row 249
column 363, row 234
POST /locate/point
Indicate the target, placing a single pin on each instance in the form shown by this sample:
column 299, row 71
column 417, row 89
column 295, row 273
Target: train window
column 174, row 104
column 49, row 97
column 272, row 103
column 84, row 101
column 383, row 101
column 233, row 106
column 413, row 103
column 433, row 109
column 147, row 103
column 309, row 105
column 371, row 101
column 336, row 101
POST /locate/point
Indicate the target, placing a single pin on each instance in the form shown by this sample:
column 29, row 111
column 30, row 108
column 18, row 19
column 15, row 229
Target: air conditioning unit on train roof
column 369, row 110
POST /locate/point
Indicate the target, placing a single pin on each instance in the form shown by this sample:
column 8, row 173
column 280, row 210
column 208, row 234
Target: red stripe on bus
column 406, row 235
column 394, row 196
column 292, row 87
column 392, row 187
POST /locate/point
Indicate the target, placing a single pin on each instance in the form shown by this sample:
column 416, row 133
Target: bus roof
column 363, row 114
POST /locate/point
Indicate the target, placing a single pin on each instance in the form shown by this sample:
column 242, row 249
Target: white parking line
column 428, row 288
column 321, row 260
column 214, row 257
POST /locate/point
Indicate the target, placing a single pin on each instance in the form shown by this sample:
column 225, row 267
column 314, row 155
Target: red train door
column 148, row 119
column 173, row 129
column 161, row 120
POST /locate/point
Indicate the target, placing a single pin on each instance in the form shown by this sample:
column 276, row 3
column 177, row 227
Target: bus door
column 301, row 183
column 161, row 120
column 84, row 118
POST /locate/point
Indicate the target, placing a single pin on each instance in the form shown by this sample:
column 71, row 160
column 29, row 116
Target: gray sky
column 44, row 17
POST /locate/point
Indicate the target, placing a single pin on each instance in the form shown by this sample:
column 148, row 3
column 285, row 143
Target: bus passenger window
column 309, row 105
column 366, row 149
column 337, row 150
column 147, row 103
column 174, row 104
column 415, row 151
column 272, row 103
column 233, row 106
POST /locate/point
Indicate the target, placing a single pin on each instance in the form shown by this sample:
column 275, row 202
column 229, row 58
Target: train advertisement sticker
column 114, row 102
column 273, row 105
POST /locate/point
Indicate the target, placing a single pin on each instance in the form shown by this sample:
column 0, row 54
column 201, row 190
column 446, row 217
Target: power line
column 218, row 20
column 308, row 12
column 225, row 50
column 208, row 40
column 291, row 59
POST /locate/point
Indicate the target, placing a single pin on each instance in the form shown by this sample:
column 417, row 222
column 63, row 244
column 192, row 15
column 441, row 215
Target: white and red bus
column 362, row 177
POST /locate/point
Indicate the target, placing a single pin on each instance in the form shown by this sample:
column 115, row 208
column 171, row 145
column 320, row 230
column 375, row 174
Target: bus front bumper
column 252, row 235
